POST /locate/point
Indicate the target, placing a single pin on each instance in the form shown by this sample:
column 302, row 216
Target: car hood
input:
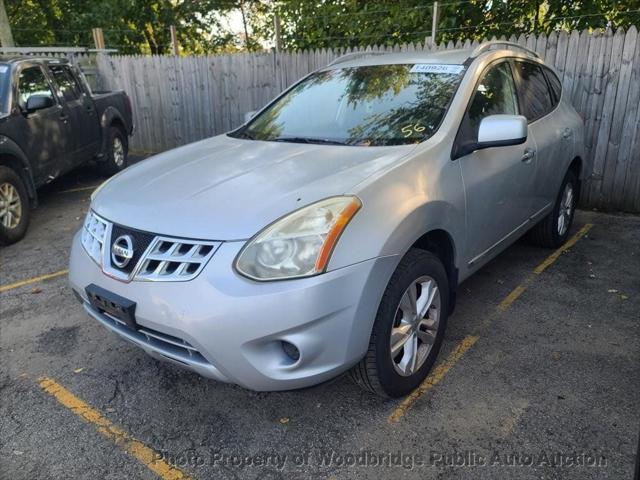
column 225, row 188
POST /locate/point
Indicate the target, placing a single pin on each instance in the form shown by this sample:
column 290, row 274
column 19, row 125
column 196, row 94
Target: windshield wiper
column 318, row 141
column 243, row 134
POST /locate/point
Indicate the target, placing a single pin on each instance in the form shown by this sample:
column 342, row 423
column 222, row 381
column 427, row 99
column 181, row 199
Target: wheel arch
column 111, row 117
column 440, row 243
column 577, row 166
column 12, row 156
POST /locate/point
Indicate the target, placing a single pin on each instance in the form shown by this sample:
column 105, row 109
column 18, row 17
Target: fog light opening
column 291, row 351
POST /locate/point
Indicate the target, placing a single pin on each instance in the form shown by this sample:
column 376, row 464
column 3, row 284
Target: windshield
column 371, row 105
column 5, row 82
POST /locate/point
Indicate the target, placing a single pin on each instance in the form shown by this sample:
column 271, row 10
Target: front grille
column 140, row 240
column 173, row 259
column 155, row 257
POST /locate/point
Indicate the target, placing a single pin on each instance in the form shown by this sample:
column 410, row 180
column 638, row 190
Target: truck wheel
column 14, row 207
column 553, row 230
column 408, row 329
column 116, row 154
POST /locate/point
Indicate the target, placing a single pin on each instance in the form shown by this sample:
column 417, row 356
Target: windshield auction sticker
column 436, row 68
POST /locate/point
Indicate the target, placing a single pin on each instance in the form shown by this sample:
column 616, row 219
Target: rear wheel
column 408, row 329
column 14, row 207
column 553, row 230
column 116, row 155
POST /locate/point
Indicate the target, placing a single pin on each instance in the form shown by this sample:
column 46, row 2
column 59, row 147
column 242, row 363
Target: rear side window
column 32, row 82
column 535, row 96
column 556, row 86
column 66, row 82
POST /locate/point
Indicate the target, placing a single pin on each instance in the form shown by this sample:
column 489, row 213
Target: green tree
column 351, row 23
column 131, row 26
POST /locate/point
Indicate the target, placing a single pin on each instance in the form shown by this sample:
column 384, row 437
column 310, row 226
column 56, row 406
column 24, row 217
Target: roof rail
column 486, row 46
column 353, row 56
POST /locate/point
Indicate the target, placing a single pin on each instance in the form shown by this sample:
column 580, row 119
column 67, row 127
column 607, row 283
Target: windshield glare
column 370, row 105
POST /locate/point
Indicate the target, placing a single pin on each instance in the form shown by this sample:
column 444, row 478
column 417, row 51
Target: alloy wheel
column 118, row 152
column 566, row 209
column 10, row 206
column 415, row 326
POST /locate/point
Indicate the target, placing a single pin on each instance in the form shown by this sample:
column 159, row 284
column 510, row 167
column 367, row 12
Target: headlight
column 299, row 244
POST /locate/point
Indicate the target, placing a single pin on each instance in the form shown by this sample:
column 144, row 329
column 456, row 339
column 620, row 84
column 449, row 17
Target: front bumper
column 229, row 328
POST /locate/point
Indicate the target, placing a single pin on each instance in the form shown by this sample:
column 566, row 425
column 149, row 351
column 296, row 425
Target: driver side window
column 32, row 82
column 495, row 94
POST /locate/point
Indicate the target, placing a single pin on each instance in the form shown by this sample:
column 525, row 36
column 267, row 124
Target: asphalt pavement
column 538, row 378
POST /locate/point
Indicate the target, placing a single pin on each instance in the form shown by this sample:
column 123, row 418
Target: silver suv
column 329, row 233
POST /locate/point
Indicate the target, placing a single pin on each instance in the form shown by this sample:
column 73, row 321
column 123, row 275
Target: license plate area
column 114, row 305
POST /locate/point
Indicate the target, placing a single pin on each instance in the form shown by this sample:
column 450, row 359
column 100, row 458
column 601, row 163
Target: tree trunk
column 6, row 38
column 153, row 46
column 244, row 24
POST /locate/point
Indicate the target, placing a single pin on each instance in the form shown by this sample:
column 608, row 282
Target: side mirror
column 39, row 102
column 249, row 115
column 501, row 131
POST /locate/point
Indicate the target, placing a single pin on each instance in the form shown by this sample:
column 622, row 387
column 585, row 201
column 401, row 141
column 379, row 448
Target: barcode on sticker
column 436, row 68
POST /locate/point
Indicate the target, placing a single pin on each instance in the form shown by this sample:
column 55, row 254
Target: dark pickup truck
column 51, row 122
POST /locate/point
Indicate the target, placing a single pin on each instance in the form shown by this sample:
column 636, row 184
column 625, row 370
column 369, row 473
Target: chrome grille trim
column 94, row 233
column 166, row 259
column 172, row 259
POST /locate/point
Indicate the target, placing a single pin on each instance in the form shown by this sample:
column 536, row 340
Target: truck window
column 32, row 82
column 66, row 82
column 5, row 86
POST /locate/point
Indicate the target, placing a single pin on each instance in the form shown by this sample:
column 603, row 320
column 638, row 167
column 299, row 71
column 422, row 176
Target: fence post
column 434, row 23
column 98, row 38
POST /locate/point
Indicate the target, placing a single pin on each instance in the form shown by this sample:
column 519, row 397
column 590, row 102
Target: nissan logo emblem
column 122, row 251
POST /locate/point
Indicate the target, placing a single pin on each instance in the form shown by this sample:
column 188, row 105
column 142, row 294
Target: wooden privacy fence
column 177, row 100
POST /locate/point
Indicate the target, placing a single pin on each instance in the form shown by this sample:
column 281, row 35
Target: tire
column 549, row 233
column 116, row 156
column 14, row 207
column 378, row 372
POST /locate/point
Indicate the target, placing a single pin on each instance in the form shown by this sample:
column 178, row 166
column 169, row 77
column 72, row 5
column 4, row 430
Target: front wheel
column 116, row 155
column 14, row 207
column 408, row 329
column 553, row 230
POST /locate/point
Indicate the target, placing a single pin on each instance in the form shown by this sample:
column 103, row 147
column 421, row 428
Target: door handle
column 528, row 155
column 64, row 117
column 567, row 133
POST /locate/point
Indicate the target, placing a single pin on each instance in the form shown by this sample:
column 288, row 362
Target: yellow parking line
column 567, row 245
column 512, row 297
column 433, row 378
column 29, row 281
column 517, row 411
column 441, row 370
column 516, row 292
column 114, row 433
